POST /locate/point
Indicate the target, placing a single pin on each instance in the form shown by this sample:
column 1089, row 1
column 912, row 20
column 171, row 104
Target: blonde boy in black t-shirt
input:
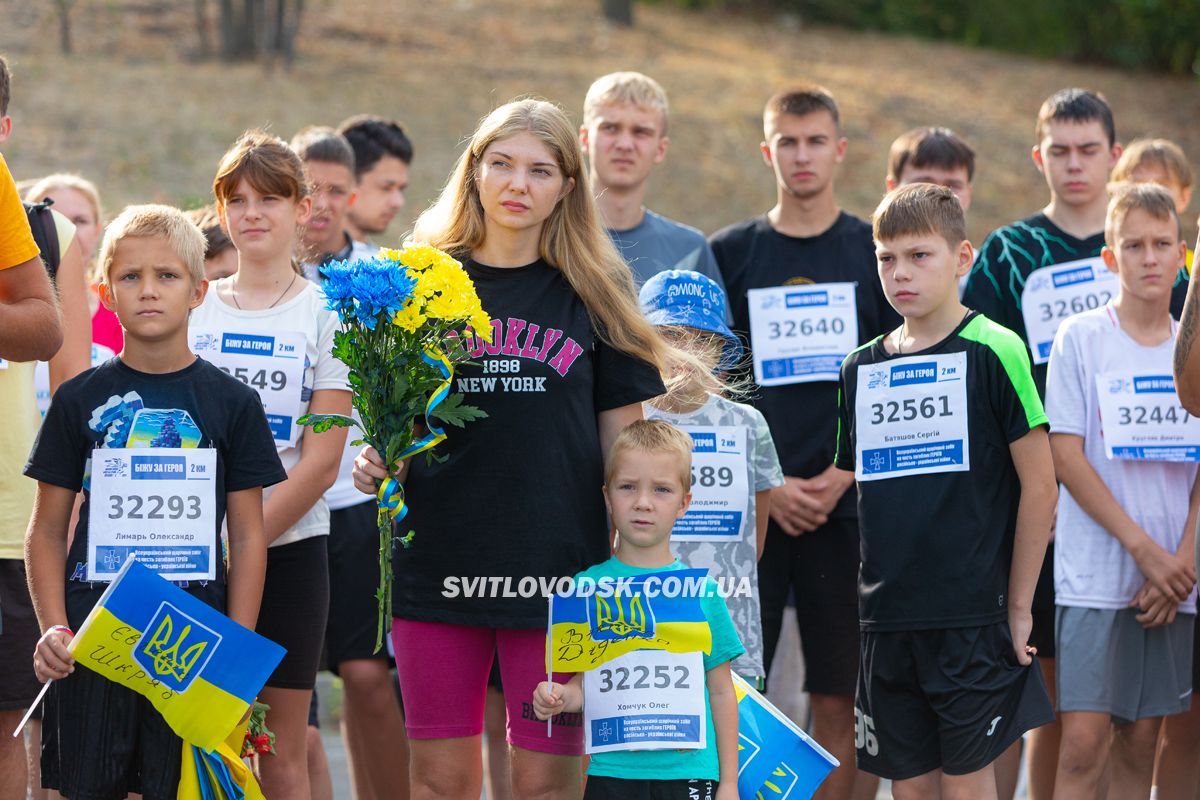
column 942, row 426
column 101, row 739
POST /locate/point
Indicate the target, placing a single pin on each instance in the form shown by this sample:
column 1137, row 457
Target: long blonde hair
column 573, row 240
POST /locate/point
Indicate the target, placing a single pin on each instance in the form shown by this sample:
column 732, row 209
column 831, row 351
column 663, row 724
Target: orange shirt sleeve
column 16, row 240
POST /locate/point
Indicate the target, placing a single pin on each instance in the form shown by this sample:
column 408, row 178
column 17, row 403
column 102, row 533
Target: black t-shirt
column 1010, row 254
column 519, row 493
column 753, row 255
column 937, row 547
column 112, row 406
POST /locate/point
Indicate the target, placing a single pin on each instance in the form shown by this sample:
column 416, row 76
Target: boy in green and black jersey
column 944, row 430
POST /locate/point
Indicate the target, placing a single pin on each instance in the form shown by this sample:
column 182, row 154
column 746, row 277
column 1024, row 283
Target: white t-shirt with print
column 1091, row 568
column 305, row 313
column 733, row 561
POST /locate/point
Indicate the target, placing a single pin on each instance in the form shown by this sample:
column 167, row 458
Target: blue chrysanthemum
column 339, row 289
column 363, row 290
column 380, row 287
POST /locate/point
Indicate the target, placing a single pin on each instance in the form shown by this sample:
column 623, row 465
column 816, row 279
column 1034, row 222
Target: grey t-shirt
column 734, row 560
column 659, row 244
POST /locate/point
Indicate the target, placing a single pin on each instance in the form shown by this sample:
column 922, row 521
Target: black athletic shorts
column 314, row 712
column 19, row 634
column 821, row 569
column 952, row 699
column 353, row 580
column 1042, row 634
column 132, row 751
column 602, row 788
column 295, row 605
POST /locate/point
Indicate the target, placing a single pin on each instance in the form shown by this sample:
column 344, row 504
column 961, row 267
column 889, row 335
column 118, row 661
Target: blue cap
column 682, row 297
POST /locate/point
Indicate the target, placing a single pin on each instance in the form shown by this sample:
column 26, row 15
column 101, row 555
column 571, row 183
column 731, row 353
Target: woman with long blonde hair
column 518, row 495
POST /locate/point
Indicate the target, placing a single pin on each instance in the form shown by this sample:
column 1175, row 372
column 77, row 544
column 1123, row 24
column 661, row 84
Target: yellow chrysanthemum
column 444, row 290
column 481, row 324
column 420, row 257
column 409, row 318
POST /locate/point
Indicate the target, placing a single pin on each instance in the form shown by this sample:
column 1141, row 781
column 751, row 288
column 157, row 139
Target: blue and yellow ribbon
column 391, row 493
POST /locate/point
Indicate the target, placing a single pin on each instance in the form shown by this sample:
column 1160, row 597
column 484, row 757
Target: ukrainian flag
column 199, row 668
column 654, row 611
column 217, row 775
column 776, row 759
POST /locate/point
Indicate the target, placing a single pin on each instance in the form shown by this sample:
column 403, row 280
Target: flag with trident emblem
column 199, row 668
column 601, row 619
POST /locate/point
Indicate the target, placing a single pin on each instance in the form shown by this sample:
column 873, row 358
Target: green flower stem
column 384, row 593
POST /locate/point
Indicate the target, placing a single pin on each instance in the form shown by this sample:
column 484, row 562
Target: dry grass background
column 136, row 112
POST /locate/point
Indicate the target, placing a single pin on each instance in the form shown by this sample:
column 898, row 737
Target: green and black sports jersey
column 937, row 546
column 1011, row 253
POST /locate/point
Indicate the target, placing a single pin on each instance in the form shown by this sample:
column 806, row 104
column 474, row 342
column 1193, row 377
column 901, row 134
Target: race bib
column 800, row 334
column 272, row 363
column 720, row 487
column 41, row 375
column 158, row 504
column 1052, row 294
column 1142, row 420
column 910, row 417
column 645, row 700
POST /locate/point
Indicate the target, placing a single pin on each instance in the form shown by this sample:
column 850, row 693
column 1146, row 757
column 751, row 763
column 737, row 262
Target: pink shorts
column 444, row 676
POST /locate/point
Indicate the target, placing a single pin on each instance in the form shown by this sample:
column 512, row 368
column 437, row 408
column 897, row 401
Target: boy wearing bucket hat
column 734, row 464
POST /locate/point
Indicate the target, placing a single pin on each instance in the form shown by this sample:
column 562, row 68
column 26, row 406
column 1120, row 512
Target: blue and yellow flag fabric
column 199, row 668
column 604, row 618
column 217, row 775
column 776, row 759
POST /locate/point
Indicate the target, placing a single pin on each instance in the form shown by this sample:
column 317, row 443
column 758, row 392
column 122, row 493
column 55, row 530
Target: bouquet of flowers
column 258, row 739
column 402, row 312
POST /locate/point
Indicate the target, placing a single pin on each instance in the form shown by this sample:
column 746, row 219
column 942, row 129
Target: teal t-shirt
column 674, row 764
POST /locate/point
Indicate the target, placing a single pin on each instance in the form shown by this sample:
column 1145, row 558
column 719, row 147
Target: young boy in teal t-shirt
column 647, row 482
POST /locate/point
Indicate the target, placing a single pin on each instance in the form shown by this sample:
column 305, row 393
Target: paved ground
column 788, row 671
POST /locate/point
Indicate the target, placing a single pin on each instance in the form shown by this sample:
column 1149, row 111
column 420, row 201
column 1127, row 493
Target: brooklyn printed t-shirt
column 667, row 765
column 937, row 547
column 113, row 406
column 305, row 313
column 519, row 493
column 1010, row 254
column 1091, row 568
column 753, row 255
column 733, row 561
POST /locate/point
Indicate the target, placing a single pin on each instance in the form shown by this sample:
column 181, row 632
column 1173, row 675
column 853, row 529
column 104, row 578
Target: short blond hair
column 1162, row 153
column 184, row 238
column 628, row 88
column 1126, row 196
column 653, row 436
column 917, row 209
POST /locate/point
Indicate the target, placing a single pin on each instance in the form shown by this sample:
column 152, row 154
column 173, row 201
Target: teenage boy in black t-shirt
column 101, row 739
column 932, row 155
column 1027, row 279
column 946, row 435
column 382, row 156
column 812, row 540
